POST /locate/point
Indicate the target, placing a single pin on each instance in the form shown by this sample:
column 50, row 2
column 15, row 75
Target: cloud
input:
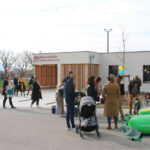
column 60, row 25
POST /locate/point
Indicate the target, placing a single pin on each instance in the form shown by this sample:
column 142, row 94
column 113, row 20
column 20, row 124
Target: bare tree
column 123, row 48
column 7, row 59
column 29, row 57
column 24, row 62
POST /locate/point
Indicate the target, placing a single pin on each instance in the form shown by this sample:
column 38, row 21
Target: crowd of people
column 112, row 96
column 11, row 88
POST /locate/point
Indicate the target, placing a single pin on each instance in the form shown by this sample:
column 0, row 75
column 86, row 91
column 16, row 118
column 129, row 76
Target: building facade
column 52, row 67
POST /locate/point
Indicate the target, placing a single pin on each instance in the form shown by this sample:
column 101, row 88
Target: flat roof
column 91, row 52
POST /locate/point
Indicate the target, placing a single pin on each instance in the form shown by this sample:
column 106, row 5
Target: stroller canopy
column 87, row 100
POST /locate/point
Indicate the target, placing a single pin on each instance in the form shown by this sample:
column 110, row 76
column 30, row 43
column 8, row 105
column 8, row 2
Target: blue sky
column 73, row 25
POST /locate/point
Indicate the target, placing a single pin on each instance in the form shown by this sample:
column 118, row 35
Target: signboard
column 46, row 58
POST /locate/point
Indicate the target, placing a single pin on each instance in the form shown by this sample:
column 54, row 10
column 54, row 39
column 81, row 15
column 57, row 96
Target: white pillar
column 58, row 73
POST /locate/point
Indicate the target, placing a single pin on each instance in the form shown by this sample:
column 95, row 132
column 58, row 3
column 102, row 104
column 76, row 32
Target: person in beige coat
column 110, row 95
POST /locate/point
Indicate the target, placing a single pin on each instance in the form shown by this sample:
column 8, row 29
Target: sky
column 74, row 25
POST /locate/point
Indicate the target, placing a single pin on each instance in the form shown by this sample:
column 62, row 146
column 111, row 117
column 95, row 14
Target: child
column 137, row 105
column 146, row 101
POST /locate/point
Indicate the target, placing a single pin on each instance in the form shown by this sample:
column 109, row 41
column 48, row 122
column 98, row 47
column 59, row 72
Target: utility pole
column 91, row 57
column 107, row 30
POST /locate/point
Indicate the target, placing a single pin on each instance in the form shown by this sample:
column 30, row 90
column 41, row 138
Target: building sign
column 46, row 58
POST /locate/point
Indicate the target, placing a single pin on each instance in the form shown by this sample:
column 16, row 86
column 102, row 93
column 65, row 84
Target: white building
column 52, row 67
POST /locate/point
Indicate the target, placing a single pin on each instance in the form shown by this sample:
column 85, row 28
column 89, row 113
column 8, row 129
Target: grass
column 1, row 83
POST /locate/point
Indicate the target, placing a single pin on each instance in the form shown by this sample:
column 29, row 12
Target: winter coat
column 36, row 91
column 131, row 85
column 91, row 91
column 5, row 83
column 69, row 90
column 110, row 95
column 31, row 82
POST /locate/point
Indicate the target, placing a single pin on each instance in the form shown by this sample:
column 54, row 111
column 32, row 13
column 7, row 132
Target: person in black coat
column 70, row 98
column 36, row 92
column 91, row 91
column 16, row 84
column 134, row 91
column 30, row 84
column 4, row 92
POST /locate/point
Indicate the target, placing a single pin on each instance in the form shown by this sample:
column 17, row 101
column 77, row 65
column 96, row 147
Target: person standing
column 98, row 87
column 134, row 90
column 91, row 90
column 70, row 98
column 30, row 84
column 16, row 84
column 121, row 97
column 36, row 92
column 22, row 87
column 7, row 92
column 60, row 98
column 111, row 93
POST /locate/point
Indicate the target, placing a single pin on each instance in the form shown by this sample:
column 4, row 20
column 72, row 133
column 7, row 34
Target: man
column 70, row 98
column 134, row 90
column 121, row 97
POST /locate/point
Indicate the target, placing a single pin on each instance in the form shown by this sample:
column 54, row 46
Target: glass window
column 113, row 70
column 146, row 73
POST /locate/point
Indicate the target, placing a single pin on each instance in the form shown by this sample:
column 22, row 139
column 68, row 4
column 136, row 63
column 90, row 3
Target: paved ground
column 28, row 128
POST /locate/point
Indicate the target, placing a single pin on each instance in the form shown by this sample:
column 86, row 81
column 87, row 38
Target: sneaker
column 130, row 112
column 68, row 129
column 73, row 129
column 13, row 107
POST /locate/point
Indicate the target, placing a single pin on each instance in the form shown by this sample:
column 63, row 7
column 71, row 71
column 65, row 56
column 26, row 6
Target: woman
column 97, row 86
column 22, row 87
column 60, row 97
column 110, row 95
column 36, row 92
column 7, row 92
column 30, row 84
column 91, row 91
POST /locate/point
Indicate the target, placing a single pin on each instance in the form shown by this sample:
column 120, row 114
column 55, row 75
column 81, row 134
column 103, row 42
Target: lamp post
column 107, row 30
column 91, row 57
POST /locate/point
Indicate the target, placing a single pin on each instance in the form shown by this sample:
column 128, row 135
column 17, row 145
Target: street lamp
column 107, row 30
column 91, row 57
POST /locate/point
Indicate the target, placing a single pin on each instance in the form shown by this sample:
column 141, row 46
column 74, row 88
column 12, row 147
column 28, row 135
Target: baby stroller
column 87, row 116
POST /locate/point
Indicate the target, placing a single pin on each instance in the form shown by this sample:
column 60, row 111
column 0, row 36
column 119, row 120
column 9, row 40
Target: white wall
column 70, row 58
column 134, row 65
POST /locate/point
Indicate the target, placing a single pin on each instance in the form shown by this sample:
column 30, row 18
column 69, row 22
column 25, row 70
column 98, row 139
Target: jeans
column 70, row 113
column 109, row 120
column 10, row 101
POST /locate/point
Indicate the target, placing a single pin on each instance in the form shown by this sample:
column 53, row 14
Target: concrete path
column 28, row 128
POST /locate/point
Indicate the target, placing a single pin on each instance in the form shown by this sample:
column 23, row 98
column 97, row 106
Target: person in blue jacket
column 70, row 98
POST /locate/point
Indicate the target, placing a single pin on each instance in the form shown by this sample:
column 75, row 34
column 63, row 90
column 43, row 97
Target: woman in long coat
column 36, row 92
column 110, row 95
